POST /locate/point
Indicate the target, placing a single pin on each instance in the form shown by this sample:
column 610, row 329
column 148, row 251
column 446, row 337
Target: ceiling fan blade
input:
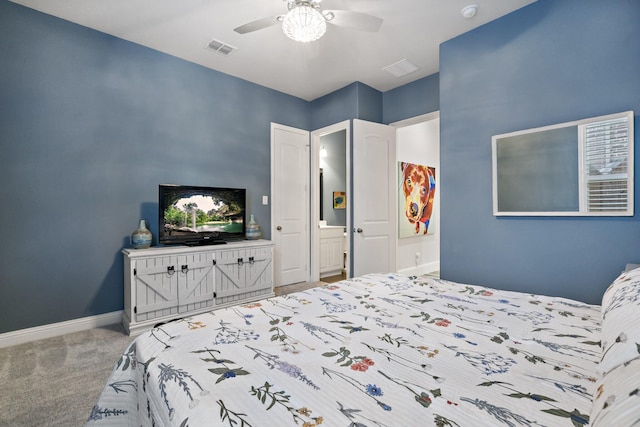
column 256, row 25
column 356, row 20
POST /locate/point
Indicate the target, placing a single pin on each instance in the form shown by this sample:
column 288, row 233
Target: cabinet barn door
column 259, row 269
column 195, row 273
column 156, row 287
column 243, row 271
column 231, row 278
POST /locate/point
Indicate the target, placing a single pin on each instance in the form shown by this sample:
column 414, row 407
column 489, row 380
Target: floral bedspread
column 378, row 350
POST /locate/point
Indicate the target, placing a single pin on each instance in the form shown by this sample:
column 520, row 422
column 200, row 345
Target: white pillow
column 620, row 321
column 616, row 401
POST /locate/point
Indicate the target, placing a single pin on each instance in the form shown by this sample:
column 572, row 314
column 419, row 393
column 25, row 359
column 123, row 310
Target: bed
column 387, row 350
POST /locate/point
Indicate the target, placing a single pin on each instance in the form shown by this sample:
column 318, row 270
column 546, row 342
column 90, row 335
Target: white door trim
column 417, row 119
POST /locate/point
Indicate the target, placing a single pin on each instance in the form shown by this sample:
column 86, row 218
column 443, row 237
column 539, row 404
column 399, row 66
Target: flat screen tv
column 191, row 215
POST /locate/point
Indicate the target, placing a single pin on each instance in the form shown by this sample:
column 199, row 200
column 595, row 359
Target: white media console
column 166, row 283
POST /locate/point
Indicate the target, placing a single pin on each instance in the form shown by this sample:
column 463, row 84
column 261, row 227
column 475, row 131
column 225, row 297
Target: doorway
column 330, row 193
column 370, row 173
column 418, row 141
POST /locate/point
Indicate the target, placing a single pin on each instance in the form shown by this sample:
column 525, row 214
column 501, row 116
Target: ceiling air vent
column 401, row 68
column 220, row 47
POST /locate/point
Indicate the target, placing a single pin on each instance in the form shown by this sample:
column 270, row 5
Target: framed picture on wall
column 416, row 195
column 339, row 200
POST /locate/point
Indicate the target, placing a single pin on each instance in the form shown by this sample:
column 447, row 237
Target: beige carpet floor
column 56, row 381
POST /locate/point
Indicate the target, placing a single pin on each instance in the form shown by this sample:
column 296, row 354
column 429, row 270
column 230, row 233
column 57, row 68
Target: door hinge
column 215, row 295
column 214, row 262
column 135, row 271
column 135, row 309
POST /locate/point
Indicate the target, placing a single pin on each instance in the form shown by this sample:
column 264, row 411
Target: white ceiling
column 412, row 29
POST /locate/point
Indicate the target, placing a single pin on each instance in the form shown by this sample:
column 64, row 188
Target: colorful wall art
column 417, row 189
column 339, row 200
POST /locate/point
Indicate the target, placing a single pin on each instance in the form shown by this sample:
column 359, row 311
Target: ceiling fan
column 306, row 21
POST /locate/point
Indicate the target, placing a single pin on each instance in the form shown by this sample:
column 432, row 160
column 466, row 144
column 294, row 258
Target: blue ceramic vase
column 141, row 238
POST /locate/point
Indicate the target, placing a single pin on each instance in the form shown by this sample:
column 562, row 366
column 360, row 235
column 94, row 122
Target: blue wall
column 369, row 104
column 335, row 107
column 413, row 99
column 550, row 62
column 90, row 125
column 355, row 101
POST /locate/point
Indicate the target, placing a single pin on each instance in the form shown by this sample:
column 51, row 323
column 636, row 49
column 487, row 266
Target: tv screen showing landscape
column 191, row 214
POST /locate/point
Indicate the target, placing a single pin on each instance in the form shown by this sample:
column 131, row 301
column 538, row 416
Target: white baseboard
column 21, row 336
column 422, row 268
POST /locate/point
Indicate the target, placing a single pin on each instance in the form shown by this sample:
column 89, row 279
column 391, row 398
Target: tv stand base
column 166, row 283
column 206, row 242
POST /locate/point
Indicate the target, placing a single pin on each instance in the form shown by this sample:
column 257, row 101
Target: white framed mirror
column 579, row 168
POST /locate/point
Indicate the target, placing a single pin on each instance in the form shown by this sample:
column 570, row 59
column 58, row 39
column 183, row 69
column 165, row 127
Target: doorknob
column 278, row 228
column 359, row 230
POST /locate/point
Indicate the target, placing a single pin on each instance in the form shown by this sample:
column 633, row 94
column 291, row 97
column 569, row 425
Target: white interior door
column 290, row 204
column 374, row 207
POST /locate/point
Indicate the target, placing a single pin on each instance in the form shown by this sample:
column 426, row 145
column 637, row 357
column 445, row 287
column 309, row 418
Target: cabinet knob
column 170, row 270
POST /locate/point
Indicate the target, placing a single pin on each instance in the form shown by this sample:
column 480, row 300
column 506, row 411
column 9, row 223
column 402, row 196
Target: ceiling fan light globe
column 304, row 24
